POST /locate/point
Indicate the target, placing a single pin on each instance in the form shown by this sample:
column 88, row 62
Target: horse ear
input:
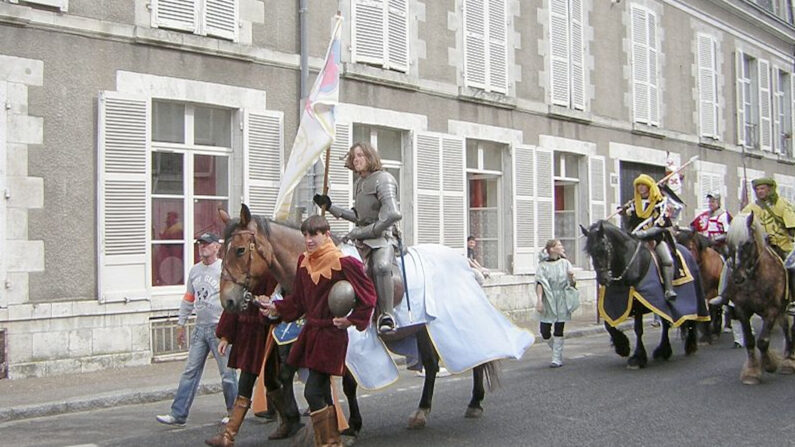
column 245, row 215
column 749, row 221
column 584, row 231
column 225, row 218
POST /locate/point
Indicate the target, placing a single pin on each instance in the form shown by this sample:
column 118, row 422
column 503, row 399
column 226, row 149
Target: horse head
column 598, row 248
column 611, row 250
column 247, row 255
column 746, row 239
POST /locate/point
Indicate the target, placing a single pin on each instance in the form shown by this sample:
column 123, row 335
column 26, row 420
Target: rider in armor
column 777, row 216
column 375, row 213
column 646, row 218
column 713, row 223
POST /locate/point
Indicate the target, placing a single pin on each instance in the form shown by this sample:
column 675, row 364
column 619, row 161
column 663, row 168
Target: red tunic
column 247, row 332
column 321, row 346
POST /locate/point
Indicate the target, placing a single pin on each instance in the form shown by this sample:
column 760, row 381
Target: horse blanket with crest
column 466, row 329
column 615, row 301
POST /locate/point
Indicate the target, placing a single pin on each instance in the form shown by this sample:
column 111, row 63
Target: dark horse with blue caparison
column 255, row 247
column 758, row 285
column 621, row 259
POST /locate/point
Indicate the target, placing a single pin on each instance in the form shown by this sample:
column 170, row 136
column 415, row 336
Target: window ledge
column 786, row 159
column 710, row 143
column 380, row 76
column 648, row 131
column 752, row 152
column 479, row 96
column 567, row 114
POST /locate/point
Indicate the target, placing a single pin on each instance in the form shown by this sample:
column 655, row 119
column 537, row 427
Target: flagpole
column 325, row 179
column 745, row 199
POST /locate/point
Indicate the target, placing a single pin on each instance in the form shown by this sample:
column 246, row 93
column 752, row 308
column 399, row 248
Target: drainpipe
column 305, row 199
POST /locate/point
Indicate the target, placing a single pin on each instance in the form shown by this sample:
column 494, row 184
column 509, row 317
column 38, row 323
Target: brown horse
column 710, row 266
column 758, row 285
column 256, row 247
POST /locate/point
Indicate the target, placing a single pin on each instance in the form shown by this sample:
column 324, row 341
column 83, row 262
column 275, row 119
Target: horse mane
column 264, row 226
column 604, row 226
column 739, row 232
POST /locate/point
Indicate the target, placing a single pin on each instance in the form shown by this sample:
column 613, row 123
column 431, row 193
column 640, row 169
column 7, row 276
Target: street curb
column 104, row 400
column 131, row 397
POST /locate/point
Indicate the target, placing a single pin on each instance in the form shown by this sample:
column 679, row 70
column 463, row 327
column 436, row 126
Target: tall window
column 644, row 67
column 191, row 146
column 567, row 186
column 381, row 33
column 754, row 115
column 567, row 48
column 485, row 45
column 484, row 183
column 204, row 17
column 782, row 117
column 707, row 86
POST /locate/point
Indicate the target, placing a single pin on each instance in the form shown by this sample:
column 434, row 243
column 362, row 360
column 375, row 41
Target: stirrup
column 670, row 295
column 386, row 324
column 718, row 301
column 791, row 309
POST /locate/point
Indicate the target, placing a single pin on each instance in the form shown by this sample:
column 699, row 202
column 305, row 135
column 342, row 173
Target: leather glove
column 322, row 200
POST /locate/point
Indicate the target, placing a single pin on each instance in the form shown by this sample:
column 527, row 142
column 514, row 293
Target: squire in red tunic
column 247, row 332
column 321, row 346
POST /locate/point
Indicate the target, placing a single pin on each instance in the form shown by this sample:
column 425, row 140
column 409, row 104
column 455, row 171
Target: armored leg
column 721, row 299
column 667, row 269
column 381, row 271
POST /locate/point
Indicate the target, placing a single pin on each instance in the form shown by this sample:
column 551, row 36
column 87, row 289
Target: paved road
column 593, row 400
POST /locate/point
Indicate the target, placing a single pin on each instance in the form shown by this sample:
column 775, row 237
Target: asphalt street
column 593, row 400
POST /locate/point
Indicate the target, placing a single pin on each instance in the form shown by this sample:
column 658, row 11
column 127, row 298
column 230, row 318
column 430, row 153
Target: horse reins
column 610, row 278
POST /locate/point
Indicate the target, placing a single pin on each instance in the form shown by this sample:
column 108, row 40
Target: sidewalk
column 45, row 396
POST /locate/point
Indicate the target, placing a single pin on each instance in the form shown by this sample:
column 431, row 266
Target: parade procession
column 397, row 222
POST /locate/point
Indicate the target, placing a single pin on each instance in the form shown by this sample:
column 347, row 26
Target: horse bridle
column 245, row 284
column 610, row 277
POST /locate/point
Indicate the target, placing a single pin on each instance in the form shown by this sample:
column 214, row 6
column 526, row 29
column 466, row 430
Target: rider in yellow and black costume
column 647, row 219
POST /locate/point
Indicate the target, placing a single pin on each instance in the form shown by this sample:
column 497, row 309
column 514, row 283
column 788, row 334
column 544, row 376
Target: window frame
column 201, row 23
column 574, row 46
column 644, row 55
column 363, row 34
column 491, row 67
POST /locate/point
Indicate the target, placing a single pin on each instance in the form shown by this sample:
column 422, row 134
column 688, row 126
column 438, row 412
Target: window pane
column 210, row 175
column 167, row 219
column 206, row 220
column 167, row 172
column 361, row 133
column 484, row 218
column 390, row 144
column 472, row 154
column 167, row 265
column 492, row 152
column 168, row 122
column 212, row 127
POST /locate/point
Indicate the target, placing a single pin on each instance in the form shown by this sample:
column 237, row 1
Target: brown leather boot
column 289, row 419
column 327, row 432
column 226, row 438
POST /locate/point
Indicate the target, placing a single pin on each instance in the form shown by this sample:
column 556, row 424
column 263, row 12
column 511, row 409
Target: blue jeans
column 202, row 342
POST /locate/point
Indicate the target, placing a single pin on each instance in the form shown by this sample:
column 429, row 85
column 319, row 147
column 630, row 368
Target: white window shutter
column 474, row 44
column 369, row 31
column 740, row 96
column 340, row 178
column 765, row 122
column 577, row 45
column 790, row 151
column 122, row 213
column 454, row 206
column 263, row 140
column 654, row 101
column 524, row 223
column 497, row 52
column 174, row 14
column 776, row 106
column 707, row 87
column 397, row 19
column 545, row 195
column 220, row 18
column 640, row 66
column 559, row 51
column 427, row 188
column 597, row 196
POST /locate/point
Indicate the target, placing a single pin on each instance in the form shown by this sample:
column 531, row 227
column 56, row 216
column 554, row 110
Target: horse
column 614, row 250
column 758, row 285
column 710, row 266
column 257, row 246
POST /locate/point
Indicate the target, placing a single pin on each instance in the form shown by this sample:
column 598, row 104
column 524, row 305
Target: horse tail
column 491, row 372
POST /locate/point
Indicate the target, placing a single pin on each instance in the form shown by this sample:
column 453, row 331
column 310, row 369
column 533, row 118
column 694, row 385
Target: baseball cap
column 713, row 195
column 208, row 238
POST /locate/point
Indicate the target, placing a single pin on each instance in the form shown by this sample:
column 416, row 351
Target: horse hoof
column 473, row 413
column 633, row 367
column 418, row 419
column 786, row 370
column 751, row 381
column 350, row 432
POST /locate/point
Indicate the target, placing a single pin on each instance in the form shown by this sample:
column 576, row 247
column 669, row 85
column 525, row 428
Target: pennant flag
column 316, row 130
